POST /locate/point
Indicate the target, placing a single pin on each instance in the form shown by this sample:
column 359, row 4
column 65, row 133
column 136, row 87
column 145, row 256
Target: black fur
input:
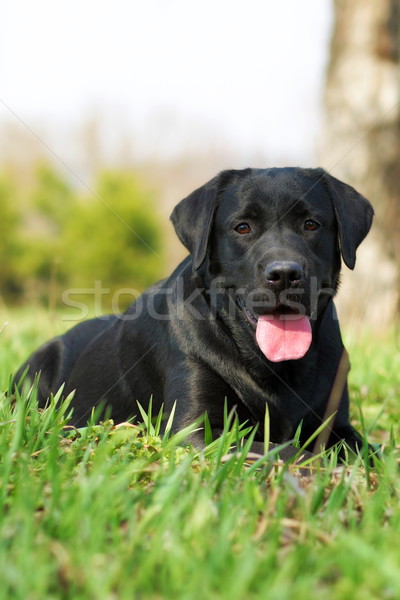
column 190, row 338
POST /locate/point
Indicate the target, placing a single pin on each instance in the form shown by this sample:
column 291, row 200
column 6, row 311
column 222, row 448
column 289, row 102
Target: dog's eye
column 311, row 225
column 243, row 228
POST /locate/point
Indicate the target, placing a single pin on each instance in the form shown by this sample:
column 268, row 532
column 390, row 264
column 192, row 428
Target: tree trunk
column 361, row 143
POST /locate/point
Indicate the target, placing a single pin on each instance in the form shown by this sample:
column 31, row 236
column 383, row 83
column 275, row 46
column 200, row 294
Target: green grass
column 119, row 512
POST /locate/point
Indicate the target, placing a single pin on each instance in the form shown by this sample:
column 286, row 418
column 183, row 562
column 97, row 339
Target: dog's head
column 274, row 237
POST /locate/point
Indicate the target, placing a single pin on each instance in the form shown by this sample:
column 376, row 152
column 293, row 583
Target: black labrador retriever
column 246, row 319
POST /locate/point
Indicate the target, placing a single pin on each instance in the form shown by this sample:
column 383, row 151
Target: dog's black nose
column 283, row 274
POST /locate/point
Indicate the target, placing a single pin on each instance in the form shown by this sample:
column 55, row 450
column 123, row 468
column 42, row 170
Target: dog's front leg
column 195, row 390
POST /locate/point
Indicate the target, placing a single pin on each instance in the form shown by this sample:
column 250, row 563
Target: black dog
column 246, row 319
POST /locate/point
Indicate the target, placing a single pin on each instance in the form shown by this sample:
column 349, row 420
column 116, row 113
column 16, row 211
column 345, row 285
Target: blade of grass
column 168, row 426
column 208, row 437
column 266, row 429
column 146, row 416
column 157, row 426
column 181, row 436
column 334, row 399
column 314, row 435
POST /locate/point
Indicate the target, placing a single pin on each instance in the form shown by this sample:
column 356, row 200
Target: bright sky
column 247, row 75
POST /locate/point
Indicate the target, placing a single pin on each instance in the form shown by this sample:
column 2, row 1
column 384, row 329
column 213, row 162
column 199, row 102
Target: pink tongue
column 283, row 338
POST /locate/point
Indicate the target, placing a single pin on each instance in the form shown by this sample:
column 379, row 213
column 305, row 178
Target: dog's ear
column 193, row 217
column 353, row 214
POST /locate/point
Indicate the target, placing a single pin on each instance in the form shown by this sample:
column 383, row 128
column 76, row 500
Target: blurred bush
column 10, row 248
column 54, row 237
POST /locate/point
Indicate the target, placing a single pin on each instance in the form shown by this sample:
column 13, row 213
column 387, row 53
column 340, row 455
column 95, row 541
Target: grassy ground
column 119, row 512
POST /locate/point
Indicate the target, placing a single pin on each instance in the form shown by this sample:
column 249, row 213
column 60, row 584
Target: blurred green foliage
column 54, row 237
column 10, row 249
